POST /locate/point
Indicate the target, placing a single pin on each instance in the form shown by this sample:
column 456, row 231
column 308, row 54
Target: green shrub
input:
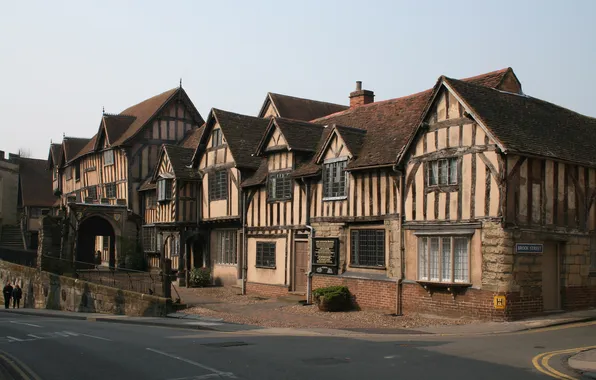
column 200, row 277
column 333, row 298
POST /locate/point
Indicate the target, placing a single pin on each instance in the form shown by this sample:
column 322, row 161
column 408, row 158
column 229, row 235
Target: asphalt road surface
column 52, row 348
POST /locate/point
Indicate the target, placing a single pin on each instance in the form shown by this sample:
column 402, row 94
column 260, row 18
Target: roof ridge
column 148, row 99
column 236, row 113
column 360, row 130
column 312, row 100
column 486, row 74
column 118, row 115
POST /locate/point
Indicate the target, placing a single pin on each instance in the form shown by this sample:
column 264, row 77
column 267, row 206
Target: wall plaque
column 528, row 248
column 325, row 255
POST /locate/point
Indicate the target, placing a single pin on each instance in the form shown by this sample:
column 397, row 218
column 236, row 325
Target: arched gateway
column 89, row 229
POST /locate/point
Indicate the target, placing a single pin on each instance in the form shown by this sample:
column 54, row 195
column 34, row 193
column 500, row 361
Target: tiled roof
column 390, row 123
column 295, row 108
column 259, row 176
column 300, row 135
column 242, row 134
column 148, row 184
column 55, row 154
column 116, row 126
column 523, row 124
column 180, row 159
column 36, row 183
column 73, row 146
column 192, row 138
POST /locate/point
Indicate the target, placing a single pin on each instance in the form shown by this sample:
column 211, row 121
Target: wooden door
column 550, row 277
column 301, row 266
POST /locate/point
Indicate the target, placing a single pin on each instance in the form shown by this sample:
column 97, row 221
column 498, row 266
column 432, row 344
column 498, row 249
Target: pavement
column 584, row 362
column 37, row 346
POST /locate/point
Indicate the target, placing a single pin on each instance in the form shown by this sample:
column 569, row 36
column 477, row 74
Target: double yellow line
column 23, row 372
column 540, row 362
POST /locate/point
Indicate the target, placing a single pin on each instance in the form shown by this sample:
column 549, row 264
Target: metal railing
column 120, row 278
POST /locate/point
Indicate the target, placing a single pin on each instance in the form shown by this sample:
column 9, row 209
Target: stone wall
column 43, row 290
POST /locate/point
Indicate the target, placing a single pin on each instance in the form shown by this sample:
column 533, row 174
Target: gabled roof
column 180, row 159
column 352, row 138
column 390, row 123
column 54, row 155
column 73, row 146
column 295, row 108
column 35, row 183
column 242, row 134
column 192, row 138
column 300, row 135
column 120, row 128
column 526, row 125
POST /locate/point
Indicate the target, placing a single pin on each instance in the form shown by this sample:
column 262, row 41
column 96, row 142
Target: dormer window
column 216, row 138
column 335, row 179
column 164, row 190
column 108, row 157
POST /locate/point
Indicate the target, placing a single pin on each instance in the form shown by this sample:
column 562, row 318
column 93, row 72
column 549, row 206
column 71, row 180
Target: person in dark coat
column 17, row 294
column 7, row 295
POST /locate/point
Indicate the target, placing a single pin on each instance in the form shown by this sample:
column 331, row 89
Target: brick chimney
column 360, row 96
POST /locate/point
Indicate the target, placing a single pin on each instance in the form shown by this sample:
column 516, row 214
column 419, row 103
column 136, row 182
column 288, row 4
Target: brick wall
column 578, row 297
column 267, row 290
column 367, row 294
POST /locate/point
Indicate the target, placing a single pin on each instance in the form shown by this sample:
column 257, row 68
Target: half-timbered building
column 99, row 178
column 499, row 201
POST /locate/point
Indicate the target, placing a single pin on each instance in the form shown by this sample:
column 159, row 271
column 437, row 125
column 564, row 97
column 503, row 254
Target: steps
column 11, row 237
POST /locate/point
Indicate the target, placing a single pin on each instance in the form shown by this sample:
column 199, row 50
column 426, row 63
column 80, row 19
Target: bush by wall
column 333, row 298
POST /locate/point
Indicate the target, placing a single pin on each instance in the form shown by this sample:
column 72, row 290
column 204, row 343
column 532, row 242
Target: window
column 279, row 186
column 334, row 179
column 92, row 192
column 77, row 170
column 105, row 243
column 443, row 259
column 368, row 248
column 216, row 138
column 55, row 173
column 108, row 157
column 218, row 185
column 225, row 247
column 265, row 254
column 441, row 172
column 151, row 201
column 68, row 173
column 164, row 190
column 34, row 212
column 149, row 239
column 110, row 190
column 45, row 211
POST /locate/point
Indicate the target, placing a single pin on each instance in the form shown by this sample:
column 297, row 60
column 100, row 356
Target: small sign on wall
column 500, row 302
column 528, row 248
column 325, row 258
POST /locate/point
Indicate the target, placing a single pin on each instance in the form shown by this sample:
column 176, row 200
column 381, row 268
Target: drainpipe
column 402, row 250
column 311, row 235
column 244, row 258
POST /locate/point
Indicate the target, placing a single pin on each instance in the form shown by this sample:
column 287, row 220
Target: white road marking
column 35, row 336
column 200, row 377
column 12, row 338
column 215, row 371
column 26, row 324
column 96, row 337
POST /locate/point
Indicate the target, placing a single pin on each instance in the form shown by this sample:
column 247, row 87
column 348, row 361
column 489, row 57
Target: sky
column 61, row 62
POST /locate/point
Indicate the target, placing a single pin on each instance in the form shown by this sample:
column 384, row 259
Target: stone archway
column 89, row 229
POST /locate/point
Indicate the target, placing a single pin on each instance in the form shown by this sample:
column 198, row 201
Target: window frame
column 355, row 255
column 149, row 239
column 424, row 259
column 260, row 254
column 439, row 179
column 218, row 187
column 68, row 173
column 329, row 182
column 216, row 138
column 164, row 190
column 35, row 212
column 91, row 189
column 230, row 245
column 174, row 246
column 285, row 175
column 110, row 185
column 77, row 170
column 151, row 201
column 106, row 154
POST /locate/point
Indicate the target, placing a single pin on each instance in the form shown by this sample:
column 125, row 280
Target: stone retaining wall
column 43, row 290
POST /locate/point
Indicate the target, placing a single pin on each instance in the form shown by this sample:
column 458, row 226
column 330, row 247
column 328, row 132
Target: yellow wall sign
column 500, row 302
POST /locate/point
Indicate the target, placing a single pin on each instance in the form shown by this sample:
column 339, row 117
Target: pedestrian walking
column 7, row 295
column 17, row 294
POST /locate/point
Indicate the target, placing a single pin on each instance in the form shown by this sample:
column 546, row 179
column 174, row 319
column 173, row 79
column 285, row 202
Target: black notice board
column 325, row 255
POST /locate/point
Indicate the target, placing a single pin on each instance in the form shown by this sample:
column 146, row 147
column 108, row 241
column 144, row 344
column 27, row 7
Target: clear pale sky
column 61, row 62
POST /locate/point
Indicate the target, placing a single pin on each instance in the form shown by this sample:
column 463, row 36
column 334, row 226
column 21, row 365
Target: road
column 53, row 348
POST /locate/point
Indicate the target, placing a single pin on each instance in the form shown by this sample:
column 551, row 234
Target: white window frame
column 442, row 172
column 164, row 189
column 332, row 176
column 432, row 260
